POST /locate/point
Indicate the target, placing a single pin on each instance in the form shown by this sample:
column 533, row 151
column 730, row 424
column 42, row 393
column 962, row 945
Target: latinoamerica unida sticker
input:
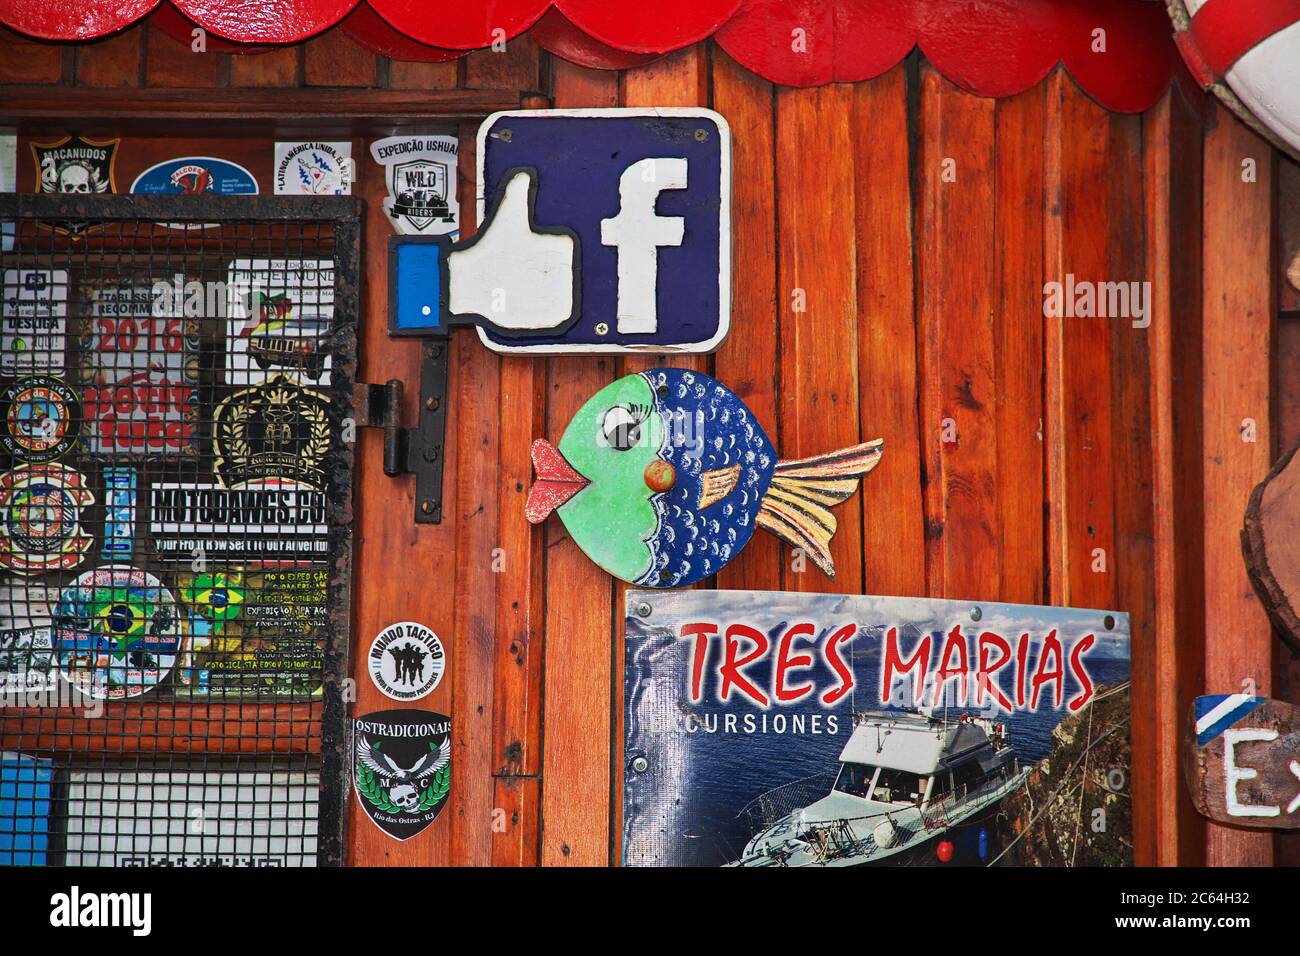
column 402, row 768
column 40, row 518
column 40, row 418
column 406, row 661
column 117, row 632
column 275, row 430
column 313, row 169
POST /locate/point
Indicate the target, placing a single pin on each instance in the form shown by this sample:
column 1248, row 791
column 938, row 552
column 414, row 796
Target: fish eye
column 621, row 426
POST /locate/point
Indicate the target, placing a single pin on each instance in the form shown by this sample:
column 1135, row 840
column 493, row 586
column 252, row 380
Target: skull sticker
column 402, row 768
column 74, row 166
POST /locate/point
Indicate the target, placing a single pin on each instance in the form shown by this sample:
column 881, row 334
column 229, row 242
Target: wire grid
column 167, row 399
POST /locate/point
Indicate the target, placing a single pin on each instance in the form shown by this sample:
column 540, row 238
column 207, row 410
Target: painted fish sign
column 601, row 231
column 663, row 476
column 1243, row 760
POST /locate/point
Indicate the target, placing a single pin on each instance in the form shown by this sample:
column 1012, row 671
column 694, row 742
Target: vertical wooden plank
column 111, row 62
column 515, row 822
column 747, row 361
column 893, row 512
column 1078, row 351
column 515, row 68
column 280, row 67
column 1132, row 563
column 475, row 416
column 1172, row 187
column 333, row 59
column 169, row 62
column 955, row 216
column 1018, row 345
column 25, row 61
column 408, row 570
column 423, row 76
column 1239, row 331
column 819, row 347
column 579, row 611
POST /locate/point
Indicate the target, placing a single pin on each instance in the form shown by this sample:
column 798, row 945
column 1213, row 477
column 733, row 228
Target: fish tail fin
column 797, row 505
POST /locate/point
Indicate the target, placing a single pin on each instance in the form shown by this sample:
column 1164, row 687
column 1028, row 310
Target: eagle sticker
column 402, row 768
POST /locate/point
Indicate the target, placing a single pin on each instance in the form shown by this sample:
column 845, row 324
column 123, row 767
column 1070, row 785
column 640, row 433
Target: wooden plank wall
column 892, row 239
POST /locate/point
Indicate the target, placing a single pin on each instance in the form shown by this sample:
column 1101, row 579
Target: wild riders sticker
column 117, row 632
column 275, row 430
column 402, row 768
column 40, row 418
column 40, row 518
column 421, row 176
column 406, row 661
column 263, row 521
column 313, row 169
column 75, row 166
column 32, row 316
column 278, row 320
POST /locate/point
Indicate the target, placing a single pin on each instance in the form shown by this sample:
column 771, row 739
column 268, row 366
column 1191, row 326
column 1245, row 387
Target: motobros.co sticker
column 402, row 768
column 406, row 661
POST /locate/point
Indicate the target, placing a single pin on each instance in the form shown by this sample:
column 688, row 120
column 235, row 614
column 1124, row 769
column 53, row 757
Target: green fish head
column 596, row 479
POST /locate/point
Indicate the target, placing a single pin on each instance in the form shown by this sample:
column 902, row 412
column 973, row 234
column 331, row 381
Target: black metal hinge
column 415, row 451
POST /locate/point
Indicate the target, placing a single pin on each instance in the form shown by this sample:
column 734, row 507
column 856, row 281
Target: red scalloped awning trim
column 988, row 47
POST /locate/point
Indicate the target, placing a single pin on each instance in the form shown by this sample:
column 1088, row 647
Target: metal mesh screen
column 175, row 468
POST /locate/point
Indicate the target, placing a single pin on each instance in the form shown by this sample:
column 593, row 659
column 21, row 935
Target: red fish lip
column 556, row 482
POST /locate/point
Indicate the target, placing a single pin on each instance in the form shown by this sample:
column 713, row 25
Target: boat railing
column 772, row 805
column 937, row 815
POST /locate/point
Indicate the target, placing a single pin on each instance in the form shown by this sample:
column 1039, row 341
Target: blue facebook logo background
column 579, row 160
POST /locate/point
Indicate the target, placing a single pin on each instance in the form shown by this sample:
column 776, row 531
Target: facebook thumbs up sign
column 606, row 231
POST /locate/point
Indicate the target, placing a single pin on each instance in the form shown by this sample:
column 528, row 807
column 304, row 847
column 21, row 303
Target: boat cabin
column 914, row 759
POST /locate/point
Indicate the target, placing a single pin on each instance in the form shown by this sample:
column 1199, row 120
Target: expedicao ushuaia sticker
column 402, row 768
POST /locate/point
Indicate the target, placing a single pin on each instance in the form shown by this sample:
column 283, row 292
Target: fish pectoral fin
column 716, row 485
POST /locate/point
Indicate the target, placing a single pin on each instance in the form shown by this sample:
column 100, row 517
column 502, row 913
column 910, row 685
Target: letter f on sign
column 637, row 232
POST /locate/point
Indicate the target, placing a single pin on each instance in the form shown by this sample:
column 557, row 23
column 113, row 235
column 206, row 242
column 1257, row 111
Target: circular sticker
column 117, row 632
column 406, row 661
column 40, row 518
column 41, row 418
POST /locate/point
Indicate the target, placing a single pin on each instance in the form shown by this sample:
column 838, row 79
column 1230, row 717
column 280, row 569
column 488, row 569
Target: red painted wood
column 994, row 48
column 467, row 25
column 373, row 32
column 176, row 26
column 556, row 34
column 657, row 27
column 53, row 20
column 257, row 21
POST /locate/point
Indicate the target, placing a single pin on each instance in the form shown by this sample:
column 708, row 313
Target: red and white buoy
column 1248, row 53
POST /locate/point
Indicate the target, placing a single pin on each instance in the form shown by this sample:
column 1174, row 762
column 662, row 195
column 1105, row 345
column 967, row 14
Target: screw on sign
column 1243, row 760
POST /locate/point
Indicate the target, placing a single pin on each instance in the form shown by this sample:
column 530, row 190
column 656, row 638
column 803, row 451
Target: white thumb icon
column 514, row 276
